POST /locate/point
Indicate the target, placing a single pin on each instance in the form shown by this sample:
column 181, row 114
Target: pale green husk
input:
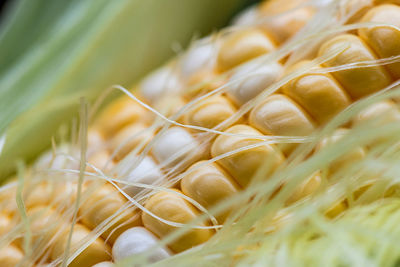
column 53, row 52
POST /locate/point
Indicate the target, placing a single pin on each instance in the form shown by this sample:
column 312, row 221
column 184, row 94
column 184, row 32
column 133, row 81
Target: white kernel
column 161, row 82
column 174, row 145
column 146, row 172
column 251, row 79
column 138, row 240
column 200, row 56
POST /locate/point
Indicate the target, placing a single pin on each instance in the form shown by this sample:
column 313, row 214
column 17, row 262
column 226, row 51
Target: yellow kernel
column 103, row 203
column 319, row 94
column 208, row 184
column 385, row 41
column 244, row 164
column 128, row 138
column 202, row 82
column 96, row 252
column 210, row 112
column 284, row 18
column 121, row 112
column 385, row 111
column 54, row 193
column 10, row 256
column 358, row 82
column 170, row 206
column 45, row 225
column 241, row 46
column 279, row 115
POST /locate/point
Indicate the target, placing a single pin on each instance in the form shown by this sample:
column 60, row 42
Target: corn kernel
column 210, row 112
column 284, row 18
column 138, row 240
column 162, row 82
column 385, row 41
column 358, row 82
column 387, row 108
column 96, row 252
column 176, row 145
column 258, row 78
column 5, row 223
column 198, row 58
column 146, row 172
column 128, row 138
column 241, row 46
column 123, row 111
column 103, row 203
column 172, row 207
column 244, row 164
column 208, row 185
column 319, row 94
column 279, row 115
column 10, row 256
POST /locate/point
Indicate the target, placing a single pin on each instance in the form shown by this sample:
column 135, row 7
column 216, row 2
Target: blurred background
column 55, row 52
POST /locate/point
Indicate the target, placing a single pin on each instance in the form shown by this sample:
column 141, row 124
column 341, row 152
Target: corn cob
column 179, row 156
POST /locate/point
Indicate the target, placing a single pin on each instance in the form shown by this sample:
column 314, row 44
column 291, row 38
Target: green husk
column 55, row 52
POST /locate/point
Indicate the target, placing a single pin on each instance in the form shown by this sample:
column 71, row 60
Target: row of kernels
column 167, row 151
column 357, row 82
